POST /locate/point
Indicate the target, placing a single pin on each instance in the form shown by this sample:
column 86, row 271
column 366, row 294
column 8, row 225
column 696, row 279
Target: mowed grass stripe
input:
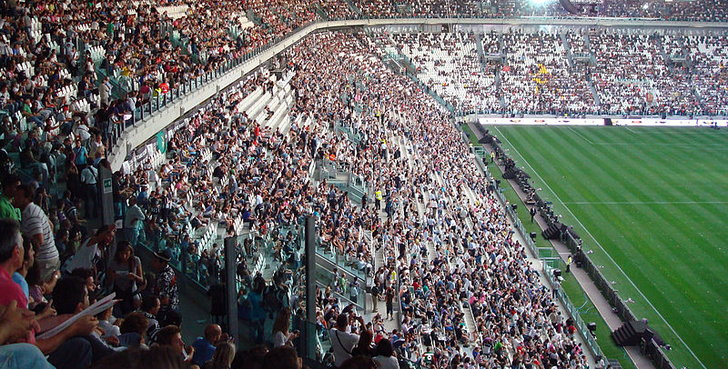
column 660, row 273
column 620, row 217
column 666, row 183
column 669, row 180
column 607, row 221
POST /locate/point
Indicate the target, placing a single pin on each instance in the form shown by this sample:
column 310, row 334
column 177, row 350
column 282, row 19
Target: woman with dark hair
column 364, row 346
column 385, row 358
column 126, row 277
column 281, row 336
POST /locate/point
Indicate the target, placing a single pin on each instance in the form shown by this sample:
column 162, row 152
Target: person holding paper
column 65, row 349
column 17, row 322
column 71, row 301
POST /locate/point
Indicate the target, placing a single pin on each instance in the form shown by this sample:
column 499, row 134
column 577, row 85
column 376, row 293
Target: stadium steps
column 597, row 99
column 353, row 7
column 278, row 105
column 249, row 100
column 481, row 52
column 661, row 50
column 257, row 110
column 498, row 86
column 280, row 117
column 321, row 13
column 567, row 48
column 259, row 106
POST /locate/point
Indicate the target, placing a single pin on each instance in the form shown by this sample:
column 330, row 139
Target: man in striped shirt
column 38, row 229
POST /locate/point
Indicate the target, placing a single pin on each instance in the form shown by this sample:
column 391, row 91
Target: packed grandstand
column 414, row 215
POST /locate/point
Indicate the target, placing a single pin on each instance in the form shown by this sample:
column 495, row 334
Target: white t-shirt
column 36, row 222
column 384, row 362
column 83, row 258
column 279, row 339
column 342, row 343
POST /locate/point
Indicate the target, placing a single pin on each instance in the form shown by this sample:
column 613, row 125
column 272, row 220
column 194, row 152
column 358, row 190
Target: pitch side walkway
column 605, row 310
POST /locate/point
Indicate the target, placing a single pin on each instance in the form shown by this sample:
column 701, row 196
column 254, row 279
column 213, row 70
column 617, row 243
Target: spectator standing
column 257, row 313
column 126, row 277
column 36, row 226
column 375, row 296
column 134, row 214
column 342, row 340
column 166, row 283
column 81, row 153
column 89, row 180
column 390, row 303
column 7, row 210
column 90, row 253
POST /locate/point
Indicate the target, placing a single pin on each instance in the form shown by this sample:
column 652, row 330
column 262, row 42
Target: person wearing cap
column 166, row 283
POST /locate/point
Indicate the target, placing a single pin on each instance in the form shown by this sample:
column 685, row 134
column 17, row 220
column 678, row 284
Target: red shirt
column 11, row 291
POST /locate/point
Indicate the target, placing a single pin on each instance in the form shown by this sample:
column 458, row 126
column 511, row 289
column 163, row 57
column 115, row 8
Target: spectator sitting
column 170, row 336
column 385, row 358
column 223, row 357
column 7, row 209
column 150, row 308
column 133, row 330
column 284, row 357
column 205, row 346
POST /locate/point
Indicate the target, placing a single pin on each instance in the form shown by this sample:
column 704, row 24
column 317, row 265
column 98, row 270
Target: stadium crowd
column 72, row 73
column 615, row 73
column 425, row 260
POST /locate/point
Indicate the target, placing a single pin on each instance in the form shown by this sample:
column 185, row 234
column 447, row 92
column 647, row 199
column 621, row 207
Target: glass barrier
column 574, row 313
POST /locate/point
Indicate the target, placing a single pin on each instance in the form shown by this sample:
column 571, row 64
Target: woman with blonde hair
column 223, row 357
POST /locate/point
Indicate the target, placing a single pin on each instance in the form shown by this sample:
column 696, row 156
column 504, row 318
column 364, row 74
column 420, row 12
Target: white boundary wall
column 644, row 122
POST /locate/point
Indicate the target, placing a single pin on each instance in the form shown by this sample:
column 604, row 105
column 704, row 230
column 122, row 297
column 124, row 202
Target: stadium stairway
column 567, row 48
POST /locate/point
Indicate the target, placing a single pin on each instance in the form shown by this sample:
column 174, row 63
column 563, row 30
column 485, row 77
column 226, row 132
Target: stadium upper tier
column 566, row 72
column 112, row 57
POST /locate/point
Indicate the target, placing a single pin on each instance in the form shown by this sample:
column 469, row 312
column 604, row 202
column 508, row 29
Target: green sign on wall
column 162, row 142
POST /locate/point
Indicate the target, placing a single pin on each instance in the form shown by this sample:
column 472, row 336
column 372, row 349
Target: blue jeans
column 132, row 235
column 75, row 353
column 22, row 356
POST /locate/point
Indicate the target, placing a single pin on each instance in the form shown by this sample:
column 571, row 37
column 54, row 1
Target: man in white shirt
column 343, row 341
column 134, row 214
column 89, row 178
column 91, row 250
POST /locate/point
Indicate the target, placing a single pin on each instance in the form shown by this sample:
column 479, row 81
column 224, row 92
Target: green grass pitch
column 652, row 204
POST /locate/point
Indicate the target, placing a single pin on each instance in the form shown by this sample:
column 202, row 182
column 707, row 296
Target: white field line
column 602, row 248
column 580, row 135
